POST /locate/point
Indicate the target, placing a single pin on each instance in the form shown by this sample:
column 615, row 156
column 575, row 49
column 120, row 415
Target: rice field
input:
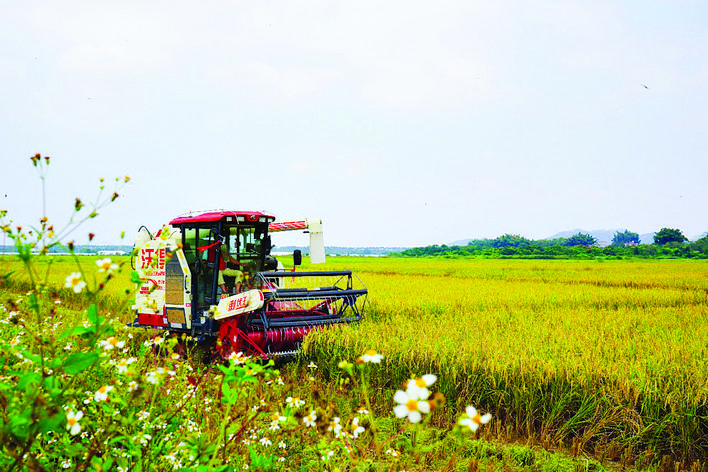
column 606, row 358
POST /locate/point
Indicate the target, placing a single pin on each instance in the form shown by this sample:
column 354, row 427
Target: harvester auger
column 212, row 277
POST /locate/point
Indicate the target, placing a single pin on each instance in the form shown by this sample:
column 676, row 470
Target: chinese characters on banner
column 151, row 269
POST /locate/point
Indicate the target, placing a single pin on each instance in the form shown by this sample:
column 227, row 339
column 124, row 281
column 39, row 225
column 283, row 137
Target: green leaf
column 106, row 328
column 83, row 331
column 33, row 358
column 68, row 332
column 79, row 362
column 51, row 423
column 33, row 302
column 229, row 396
column 260, row 462
column 208, row 468
column 19, row 426
column 50, row 383
column 225, row 468
column 135, row 278
column 73, row 450
column 29, row 380
column 24, row 252
column 102, row 463
column 93, row 315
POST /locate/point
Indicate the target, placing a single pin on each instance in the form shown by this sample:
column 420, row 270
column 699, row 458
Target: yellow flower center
column 420, row 383
column 103, row 389
column 477, row 419
column 75, row 280
column 412, row 405
column 370, row 352
column 71, row 421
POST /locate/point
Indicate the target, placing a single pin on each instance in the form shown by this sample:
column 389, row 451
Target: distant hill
column 460, row 242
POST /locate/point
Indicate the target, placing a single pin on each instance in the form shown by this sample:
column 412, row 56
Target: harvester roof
column 213, row 216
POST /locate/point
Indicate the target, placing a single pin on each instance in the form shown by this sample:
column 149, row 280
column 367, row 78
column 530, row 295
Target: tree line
column 668, row 243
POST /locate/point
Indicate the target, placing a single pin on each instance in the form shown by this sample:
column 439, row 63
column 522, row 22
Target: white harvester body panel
column 150, row 266
column 165, row 280
column 238, row 304
column 317, row 248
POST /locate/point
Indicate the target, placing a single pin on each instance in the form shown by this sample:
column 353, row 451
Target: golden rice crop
column 607, row 351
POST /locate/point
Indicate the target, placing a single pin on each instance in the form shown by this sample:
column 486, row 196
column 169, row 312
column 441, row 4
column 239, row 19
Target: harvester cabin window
column 190, row 246
column 200, row 252
column 244, row 246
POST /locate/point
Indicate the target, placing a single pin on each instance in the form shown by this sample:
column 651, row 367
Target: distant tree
column 625, row 238
column 669, row 235
column 510, row 240
column 581, row 239
column 481, row 242
column 701, row 245
column 552, row 242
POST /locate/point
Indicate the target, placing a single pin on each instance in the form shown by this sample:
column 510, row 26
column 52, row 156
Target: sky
column 399, row 123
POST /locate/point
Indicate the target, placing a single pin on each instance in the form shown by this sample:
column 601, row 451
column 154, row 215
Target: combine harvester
column 211, row 276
